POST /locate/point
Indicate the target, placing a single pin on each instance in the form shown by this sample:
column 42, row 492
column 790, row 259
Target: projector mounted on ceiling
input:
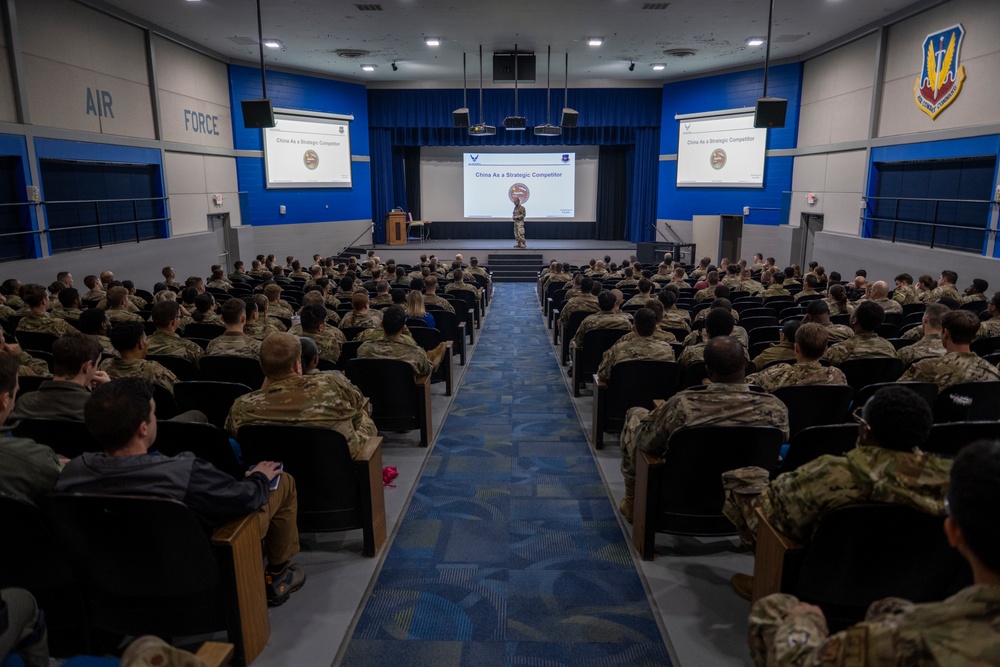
column 482, row 130
column 547, row 130
column 515, row 123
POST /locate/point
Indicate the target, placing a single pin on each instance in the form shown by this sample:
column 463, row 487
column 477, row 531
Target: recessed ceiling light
column 432, row 41
column 368, row 68
column 595, row 41
column 658, row 66
column 271, row 43
column 755, row 41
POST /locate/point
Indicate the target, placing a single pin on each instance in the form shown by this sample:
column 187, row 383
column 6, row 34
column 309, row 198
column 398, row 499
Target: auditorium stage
column 574, row 251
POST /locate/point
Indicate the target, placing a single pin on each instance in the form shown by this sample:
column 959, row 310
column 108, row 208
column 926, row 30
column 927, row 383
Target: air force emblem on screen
column 941, row 75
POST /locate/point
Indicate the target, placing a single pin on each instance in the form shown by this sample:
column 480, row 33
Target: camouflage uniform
column 122, row 315
column 803, row 293
column 324, row 400
column 732, row 282
column 275, row 322
column 990, row 327
column 370, row 320
column 329, row 342
column 679, row 284
column 794, row 501
column 676, row 319
column 260, row 330
column 106, row 346
column 627, row 282
column 232, row 344
column 44, row 323
column 463, row 287
column 6, row 311
column 707, row 293
column 703, row 313
column 602, row 320
column 774, row 289
column 583, row 303
column 638, row 300
column 658, row 334
column 279, row 308
column 779, row 351
column 958, row 631
column 92, row 295
column 129, row 305
column 718, row 404
column 888, row 305
column 68, row 314
column 905, row 294
column 950, row 369
column 861, row 346
column 928, row 346
column 942, row 291
column 140, row 368
column 699, row 336
column 378, row 334
column 633, row 347
column 164, row 342
column 435, row 300
column 32, row 366
column 219, row 284
column 972, row 298
column 415, row 356
column 794, row 375
column 835, row 308
column 916, row 333
column 837, row 333
column 382, row 300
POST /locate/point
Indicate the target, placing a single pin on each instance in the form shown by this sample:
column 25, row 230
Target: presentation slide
column 302, row 152
column 544, row 182
column 721, row 151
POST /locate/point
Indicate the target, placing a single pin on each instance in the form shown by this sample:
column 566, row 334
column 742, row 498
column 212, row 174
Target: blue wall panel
column 294, row 91
column 716, row 93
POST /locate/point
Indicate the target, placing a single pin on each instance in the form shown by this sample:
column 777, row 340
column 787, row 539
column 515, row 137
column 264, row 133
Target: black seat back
column 863, row 372
column 35, row 340
column 968, row 401
column 179, row 366
column 948, row 438
column 202, row 330
column 926, row 390
column 691, row 495
column 637, row 384
column 427, row 337
column 212, row 398
column 815, row 441
column 66, row 437
column 815, row 405
column 231, row 368
column 389, row 384
column 328, row 489
column 206, row 441
column 595, row 343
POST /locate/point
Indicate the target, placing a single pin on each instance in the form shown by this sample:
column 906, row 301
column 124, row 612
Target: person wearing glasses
column 962, row 630
column 886, row 466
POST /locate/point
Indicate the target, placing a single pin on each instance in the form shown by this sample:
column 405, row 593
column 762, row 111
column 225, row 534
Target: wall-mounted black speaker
column 770, row 112
column 257, row 113
column 460, row 117
column 503, row 68
column 569, row 118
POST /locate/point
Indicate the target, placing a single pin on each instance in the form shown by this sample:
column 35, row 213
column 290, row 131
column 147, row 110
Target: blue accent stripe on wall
column 295, row 91
column 716, row 93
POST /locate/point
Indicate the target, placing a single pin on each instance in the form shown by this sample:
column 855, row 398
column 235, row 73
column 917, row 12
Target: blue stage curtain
column 612, row 192
column 626, row 117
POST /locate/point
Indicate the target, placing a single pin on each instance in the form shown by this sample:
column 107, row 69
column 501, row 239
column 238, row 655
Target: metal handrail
column 958, row 201
column 896, row 221
column 101, row 201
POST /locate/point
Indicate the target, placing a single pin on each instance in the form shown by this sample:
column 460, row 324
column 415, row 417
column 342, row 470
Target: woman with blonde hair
column 415, row 308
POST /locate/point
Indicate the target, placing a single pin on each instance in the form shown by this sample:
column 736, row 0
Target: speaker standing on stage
column 519, row 223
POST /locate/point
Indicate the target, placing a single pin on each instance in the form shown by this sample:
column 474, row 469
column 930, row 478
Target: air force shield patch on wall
column 941, row 75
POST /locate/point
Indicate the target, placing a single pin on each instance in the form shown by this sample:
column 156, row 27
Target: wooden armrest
column 599, row 383
column 239, row 552
column 366, row 452
column 425, row 379
column 648, row 471
column 215, row 654
column 773, row 547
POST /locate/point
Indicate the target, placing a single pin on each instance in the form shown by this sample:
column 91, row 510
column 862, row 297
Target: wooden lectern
column 395, row 228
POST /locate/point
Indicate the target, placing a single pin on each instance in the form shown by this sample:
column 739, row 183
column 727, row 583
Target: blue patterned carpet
column 510, row 553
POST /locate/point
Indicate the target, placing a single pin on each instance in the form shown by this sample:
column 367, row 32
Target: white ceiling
column 313, row 30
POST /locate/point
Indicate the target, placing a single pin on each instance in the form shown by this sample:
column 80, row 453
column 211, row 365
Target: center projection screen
column 307, row 152
column 720, row 151
column 450, row 191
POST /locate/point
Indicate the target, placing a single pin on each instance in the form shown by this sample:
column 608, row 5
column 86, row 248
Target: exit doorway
column 220, row 226
column 804, row 237
column 731, row 241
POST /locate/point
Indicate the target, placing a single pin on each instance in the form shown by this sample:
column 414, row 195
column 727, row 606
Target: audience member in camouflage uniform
column 865, row 344
column 38, row 320
column 276, row 306
column 219, row 281
column 945, row 288
column 728, row 401
column 361, row 316
column 776, row 288
column 586, row 302
column 390, row 346
column 991, row 327
column 819, row 312
column 29, row 366
column 719, row 322
column 71, row 305
column 382, row 296
column 961, row 630
column 810, row 343
column 958, row 364
column 708, row 292
column 330, row 340
column 204, row 310
column 645, row 293
column 431, row 297
column 458, row 284
column 878, row 292
column 639, row 345
column 166, row 316
column 234, row 343
column 608, row 318
column 930, row 344
column 118, row 306
column 837, row 301
column 673, row 317
column 256, row 327
column 170, row 278
column 130, row 341
column 808, row 289
column 904, row 293
column 325, row 400
column 784, row 349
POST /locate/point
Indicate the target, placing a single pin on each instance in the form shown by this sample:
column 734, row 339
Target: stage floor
column 564, row 250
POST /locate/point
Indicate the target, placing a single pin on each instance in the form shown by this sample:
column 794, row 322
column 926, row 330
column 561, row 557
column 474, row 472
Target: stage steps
column 514, row 267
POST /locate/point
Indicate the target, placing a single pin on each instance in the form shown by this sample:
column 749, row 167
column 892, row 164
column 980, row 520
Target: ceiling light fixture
column 631, row 66
column 658, row 66
column 368, row 68
column 595, row 41
column 432, row 41
column 273, row 43
column 755, row 41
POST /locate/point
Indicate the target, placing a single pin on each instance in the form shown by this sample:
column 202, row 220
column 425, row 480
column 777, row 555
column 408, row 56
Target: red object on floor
column 388, row 474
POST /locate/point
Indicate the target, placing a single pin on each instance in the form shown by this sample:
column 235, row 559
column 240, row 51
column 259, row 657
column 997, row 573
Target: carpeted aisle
column 510, row 553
